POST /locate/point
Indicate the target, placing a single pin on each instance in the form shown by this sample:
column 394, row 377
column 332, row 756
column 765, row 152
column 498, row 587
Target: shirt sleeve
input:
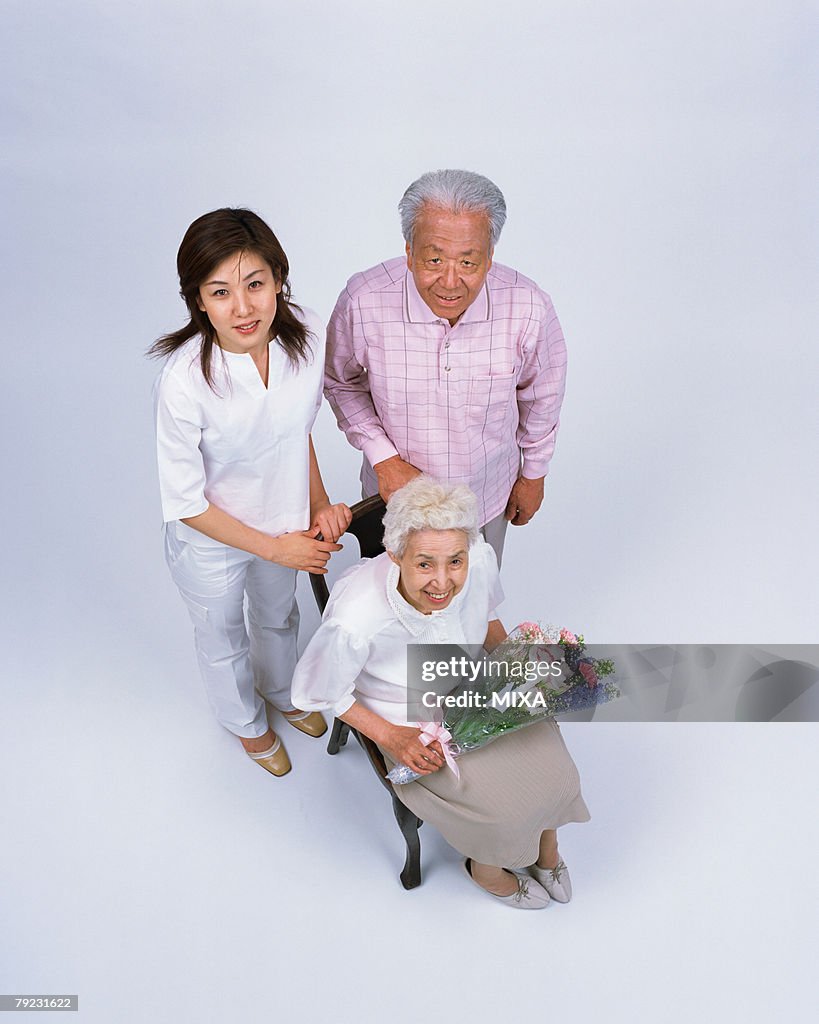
column 178, row 433
column 540, row 390
column 347, row 388
column 327, row 672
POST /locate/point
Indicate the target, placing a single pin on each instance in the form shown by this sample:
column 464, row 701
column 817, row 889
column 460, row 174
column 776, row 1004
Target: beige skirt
column 509, row 792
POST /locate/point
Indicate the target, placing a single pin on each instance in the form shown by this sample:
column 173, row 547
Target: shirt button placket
column 445, row 351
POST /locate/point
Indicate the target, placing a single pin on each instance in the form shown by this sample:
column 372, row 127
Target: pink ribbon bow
column 431, row 731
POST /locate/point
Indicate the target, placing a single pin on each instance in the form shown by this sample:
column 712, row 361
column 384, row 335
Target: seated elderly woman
column 438, row 583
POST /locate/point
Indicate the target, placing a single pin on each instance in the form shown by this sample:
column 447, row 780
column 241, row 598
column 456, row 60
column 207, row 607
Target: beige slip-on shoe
column 274, row 760
column 310, row 722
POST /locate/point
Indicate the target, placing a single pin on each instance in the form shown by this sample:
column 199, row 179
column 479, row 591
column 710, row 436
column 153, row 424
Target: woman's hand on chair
column 331, row 520
column 301, row 550
column 405, row 747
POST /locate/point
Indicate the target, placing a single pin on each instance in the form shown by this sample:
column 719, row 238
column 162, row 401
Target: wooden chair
column 368, row 530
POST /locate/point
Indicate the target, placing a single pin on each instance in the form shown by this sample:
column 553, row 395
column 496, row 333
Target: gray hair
column 456, row 192
column 427, row 504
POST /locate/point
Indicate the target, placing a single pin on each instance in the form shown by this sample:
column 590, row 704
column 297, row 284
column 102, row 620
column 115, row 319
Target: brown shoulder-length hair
column 211, row 239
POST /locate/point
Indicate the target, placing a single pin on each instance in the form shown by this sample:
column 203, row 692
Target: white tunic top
column 242, row 447
column 359, row 652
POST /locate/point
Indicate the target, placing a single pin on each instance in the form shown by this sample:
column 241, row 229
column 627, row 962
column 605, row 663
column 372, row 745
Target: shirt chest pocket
column 491, row 402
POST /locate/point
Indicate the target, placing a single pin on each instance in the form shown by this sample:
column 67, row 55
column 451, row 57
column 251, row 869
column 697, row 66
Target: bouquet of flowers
column 537, row 672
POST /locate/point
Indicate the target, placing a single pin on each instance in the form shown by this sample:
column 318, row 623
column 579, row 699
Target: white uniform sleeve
column 326, row 674
column 178, row 433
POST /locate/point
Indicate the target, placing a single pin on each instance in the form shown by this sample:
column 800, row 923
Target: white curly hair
column 428, row 504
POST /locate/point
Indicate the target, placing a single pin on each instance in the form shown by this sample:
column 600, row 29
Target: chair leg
column 409, row 825
column 338, row 737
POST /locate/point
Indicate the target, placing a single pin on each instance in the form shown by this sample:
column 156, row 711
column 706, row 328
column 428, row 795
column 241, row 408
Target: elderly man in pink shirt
column 446, row 363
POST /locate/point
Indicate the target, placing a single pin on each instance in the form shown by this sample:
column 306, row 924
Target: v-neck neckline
column 241, row 360
column 263, row 377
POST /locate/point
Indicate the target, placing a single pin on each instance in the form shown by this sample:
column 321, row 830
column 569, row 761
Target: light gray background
column 657, row 160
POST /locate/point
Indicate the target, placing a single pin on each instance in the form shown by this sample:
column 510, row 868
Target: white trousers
column 236, row 658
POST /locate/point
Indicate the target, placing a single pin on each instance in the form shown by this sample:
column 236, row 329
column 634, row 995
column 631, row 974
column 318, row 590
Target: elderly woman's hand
column 331, row 520
column 404, row 746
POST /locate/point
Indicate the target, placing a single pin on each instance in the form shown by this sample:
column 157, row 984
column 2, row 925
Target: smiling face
column 239, row 298
column 449, row 259
column 433, row 568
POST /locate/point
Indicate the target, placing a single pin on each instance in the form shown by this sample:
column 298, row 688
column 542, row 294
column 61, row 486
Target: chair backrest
column 368, row 529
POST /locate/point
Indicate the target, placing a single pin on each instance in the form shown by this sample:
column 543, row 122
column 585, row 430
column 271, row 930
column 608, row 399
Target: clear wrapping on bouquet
column 535, row 673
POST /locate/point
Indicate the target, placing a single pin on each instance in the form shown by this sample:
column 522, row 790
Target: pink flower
column 588, row 673
column 568, row 637
column 531, row 632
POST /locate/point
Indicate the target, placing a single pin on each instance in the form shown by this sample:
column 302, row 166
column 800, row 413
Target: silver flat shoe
column 555, row 880
column 530, row 895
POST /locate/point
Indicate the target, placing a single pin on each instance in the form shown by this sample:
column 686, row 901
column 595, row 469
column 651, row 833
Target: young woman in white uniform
column 242, row 496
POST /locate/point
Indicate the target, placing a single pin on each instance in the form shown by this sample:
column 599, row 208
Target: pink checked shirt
column 464, row 403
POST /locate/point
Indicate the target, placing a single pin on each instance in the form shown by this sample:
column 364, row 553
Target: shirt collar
column 418, row 312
